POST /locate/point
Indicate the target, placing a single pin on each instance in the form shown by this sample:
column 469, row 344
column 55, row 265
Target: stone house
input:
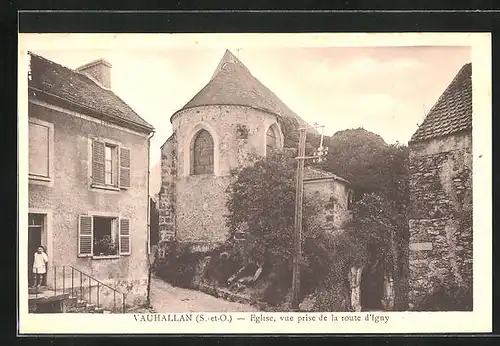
column 88, row 182
column 232, row 118
column 440, row 223
column 334, row 194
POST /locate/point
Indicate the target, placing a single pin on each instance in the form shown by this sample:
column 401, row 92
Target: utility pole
column 299, row 197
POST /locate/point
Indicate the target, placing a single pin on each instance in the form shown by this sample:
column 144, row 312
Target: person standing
column 40, row 266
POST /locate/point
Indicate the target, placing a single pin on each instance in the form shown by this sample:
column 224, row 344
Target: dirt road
column 166, row 298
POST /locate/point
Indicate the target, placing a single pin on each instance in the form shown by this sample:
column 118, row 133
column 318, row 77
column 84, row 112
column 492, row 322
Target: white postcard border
column 479, row 320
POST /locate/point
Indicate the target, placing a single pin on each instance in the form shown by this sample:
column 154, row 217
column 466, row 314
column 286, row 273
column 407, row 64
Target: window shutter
column 124, row 168
column 85, row 236
column 124, row 237
column 97, row 162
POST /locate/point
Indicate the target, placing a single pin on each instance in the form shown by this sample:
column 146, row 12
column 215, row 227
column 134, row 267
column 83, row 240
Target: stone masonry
column 192, row 207
column 168, row 187
column 441, row 215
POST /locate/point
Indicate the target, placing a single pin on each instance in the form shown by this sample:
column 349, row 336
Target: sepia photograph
column 172, row 175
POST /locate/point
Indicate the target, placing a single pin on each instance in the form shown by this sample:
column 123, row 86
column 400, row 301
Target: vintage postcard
column 255, row 183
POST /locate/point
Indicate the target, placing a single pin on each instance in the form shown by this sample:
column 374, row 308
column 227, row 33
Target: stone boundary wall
column 440, row 220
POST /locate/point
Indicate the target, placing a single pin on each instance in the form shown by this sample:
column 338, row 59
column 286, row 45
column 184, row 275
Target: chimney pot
column 99, row 70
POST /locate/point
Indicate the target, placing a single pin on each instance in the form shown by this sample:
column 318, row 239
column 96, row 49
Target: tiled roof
column 78, row 89
column 233, row 84
column 311, row 173
column 452, row 112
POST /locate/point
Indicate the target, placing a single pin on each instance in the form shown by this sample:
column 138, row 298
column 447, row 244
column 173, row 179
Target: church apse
column 212, row 140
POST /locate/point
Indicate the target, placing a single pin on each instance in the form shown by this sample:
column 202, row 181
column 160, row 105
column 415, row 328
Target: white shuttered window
column 102, row 236
column 110, row 165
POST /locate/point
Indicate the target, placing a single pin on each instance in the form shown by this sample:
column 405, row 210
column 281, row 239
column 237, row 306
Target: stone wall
column 440, row 219
column 167, row 190
column 70, row 194
column 332, row 196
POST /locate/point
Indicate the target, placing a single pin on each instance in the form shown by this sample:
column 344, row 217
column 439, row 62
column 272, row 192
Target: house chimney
column 98, row 70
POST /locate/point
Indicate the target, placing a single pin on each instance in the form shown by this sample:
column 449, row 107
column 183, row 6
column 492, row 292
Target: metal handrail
column 90, row 278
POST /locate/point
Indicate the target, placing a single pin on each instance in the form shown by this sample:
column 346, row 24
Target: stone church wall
column 192, row 207
column 441, row 215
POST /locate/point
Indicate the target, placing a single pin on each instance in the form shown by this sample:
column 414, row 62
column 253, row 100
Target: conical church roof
column 233, row 84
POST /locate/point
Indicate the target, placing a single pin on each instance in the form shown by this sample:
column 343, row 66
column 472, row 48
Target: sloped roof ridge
column 321, row 174
column 253, row 93
column 430, row 127
column 228, row 57
column 460, row 74
column 80, row 74
column 73, row 70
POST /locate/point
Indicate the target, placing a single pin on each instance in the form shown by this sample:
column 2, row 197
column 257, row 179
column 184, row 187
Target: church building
column 232, row 118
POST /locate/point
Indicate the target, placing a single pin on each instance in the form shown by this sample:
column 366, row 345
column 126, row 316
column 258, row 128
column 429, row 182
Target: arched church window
column 271, row 139
column 202, row 153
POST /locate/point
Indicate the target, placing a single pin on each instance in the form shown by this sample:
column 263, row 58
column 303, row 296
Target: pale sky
column 386, row 90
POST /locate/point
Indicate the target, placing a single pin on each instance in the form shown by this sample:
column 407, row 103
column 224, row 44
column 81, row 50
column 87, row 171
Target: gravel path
column 167, row 298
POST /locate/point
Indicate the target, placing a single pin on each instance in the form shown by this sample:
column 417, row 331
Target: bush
column 330, row 255
column 447, row 298
column 262, row 201
column 105, row 247
column 279, row 284
column 223, row 263
column 179, row 266
column 334, row 299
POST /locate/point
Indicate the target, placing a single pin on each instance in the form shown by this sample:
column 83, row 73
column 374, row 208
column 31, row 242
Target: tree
column 262, row 202
column 360, row 157
column 381, row 217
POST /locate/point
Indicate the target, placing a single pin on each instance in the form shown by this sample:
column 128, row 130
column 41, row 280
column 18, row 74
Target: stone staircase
column 76, row 305
column 45, row 300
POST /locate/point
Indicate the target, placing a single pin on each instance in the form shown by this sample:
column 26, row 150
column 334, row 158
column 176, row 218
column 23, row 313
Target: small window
column 110, row 165
column 40, row 143
column 240, row 236
column 105, row 236
column 272, row 139
column 242, row 233
column 350, row 200
column 202, row 153
column 35, row 220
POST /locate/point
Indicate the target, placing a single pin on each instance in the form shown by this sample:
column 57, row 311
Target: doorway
column 372, row 280
column 35, row 231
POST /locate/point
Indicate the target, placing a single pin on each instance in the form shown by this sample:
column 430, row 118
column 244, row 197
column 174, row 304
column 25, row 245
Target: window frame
column 116, row 165
column 350, row 200
column 116, row 224
column 114, row 232
column 193, row 153
column 277, row 138
column 37, row 179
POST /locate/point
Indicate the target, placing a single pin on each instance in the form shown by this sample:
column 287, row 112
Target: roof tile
column 452, row 112
column 311, row 173
column 76, row 87
column 233, row 84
